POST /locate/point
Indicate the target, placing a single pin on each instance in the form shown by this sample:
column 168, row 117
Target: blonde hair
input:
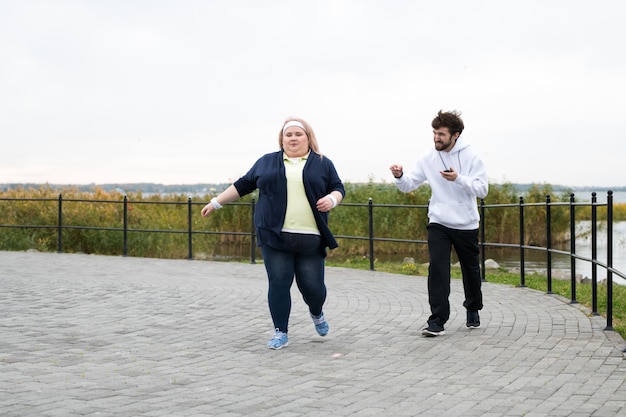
column 309, row 133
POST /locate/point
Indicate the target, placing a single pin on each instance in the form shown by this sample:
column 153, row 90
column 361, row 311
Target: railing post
column 521, row 242
column 572, row 243
column 594, row 255
column 60, row 226
column 371, row 232
column 483, row 272
column 252, row 233
column 549, row 243
column 189, row 230
column 609, row 261
column 125, row 226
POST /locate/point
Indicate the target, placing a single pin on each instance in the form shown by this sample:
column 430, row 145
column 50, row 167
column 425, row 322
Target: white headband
column 293, row 123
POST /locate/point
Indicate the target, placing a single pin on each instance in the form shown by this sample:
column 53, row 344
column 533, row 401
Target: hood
column 460, row 144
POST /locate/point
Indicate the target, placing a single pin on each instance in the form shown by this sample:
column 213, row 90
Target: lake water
column 536, row 260
column 618, row 196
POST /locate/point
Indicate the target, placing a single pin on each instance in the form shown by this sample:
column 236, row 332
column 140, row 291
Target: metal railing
column 60, row 226
column 549, row 250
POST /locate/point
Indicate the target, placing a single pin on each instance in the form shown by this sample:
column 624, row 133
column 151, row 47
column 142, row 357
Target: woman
column 297, row 186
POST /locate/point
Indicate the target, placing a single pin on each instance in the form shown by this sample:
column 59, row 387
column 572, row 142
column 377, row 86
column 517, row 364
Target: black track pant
column 441, row 239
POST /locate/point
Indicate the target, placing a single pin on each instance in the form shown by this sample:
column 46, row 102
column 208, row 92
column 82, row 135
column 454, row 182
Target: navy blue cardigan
column 268, row 175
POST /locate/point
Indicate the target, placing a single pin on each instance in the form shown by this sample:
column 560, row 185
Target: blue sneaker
column 279, row 340
column 321, row 325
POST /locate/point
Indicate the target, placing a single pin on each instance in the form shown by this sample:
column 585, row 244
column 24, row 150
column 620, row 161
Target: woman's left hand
column 324, row 204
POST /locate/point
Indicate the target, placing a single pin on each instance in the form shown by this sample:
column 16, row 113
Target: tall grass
column 169, row 214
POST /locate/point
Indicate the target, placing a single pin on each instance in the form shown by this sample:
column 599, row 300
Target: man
column 457, row 176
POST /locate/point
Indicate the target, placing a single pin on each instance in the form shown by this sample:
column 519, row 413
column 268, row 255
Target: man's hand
column 396, row 170
column 450, row 174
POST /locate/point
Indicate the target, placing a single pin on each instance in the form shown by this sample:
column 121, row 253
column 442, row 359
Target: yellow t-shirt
column 299, row 217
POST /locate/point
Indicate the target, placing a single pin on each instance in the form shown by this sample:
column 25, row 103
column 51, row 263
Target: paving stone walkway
column 85, row 335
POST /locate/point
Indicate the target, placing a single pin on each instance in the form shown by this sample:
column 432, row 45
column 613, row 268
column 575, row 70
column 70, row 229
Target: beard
column 440, row 146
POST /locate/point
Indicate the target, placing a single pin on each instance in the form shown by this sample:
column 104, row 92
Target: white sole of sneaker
column 428, row 333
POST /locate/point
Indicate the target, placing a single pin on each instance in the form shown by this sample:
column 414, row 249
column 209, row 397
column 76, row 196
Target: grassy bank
column 536, row 282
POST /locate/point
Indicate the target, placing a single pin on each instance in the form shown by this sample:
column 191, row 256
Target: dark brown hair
column 452, row 120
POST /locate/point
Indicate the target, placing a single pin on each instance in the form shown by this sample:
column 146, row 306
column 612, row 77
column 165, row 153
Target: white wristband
column 333, row 199
column 216, row 204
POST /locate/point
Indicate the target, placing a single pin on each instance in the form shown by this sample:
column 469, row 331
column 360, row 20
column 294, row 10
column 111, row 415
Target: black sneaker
column 473, row 320
column 433, row 330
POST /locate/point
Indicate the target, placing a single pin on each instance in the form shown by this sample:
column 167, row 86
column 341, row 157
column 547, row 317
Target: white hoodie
column 453, row 203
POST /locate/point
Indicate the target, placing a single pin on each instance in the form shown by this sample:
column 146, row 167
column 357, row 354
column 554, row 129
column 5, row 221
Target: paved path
column 84, row 335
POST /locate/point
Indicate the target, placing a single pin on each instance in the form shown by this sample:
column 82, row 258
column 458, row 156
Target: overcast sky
column 184, row 92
